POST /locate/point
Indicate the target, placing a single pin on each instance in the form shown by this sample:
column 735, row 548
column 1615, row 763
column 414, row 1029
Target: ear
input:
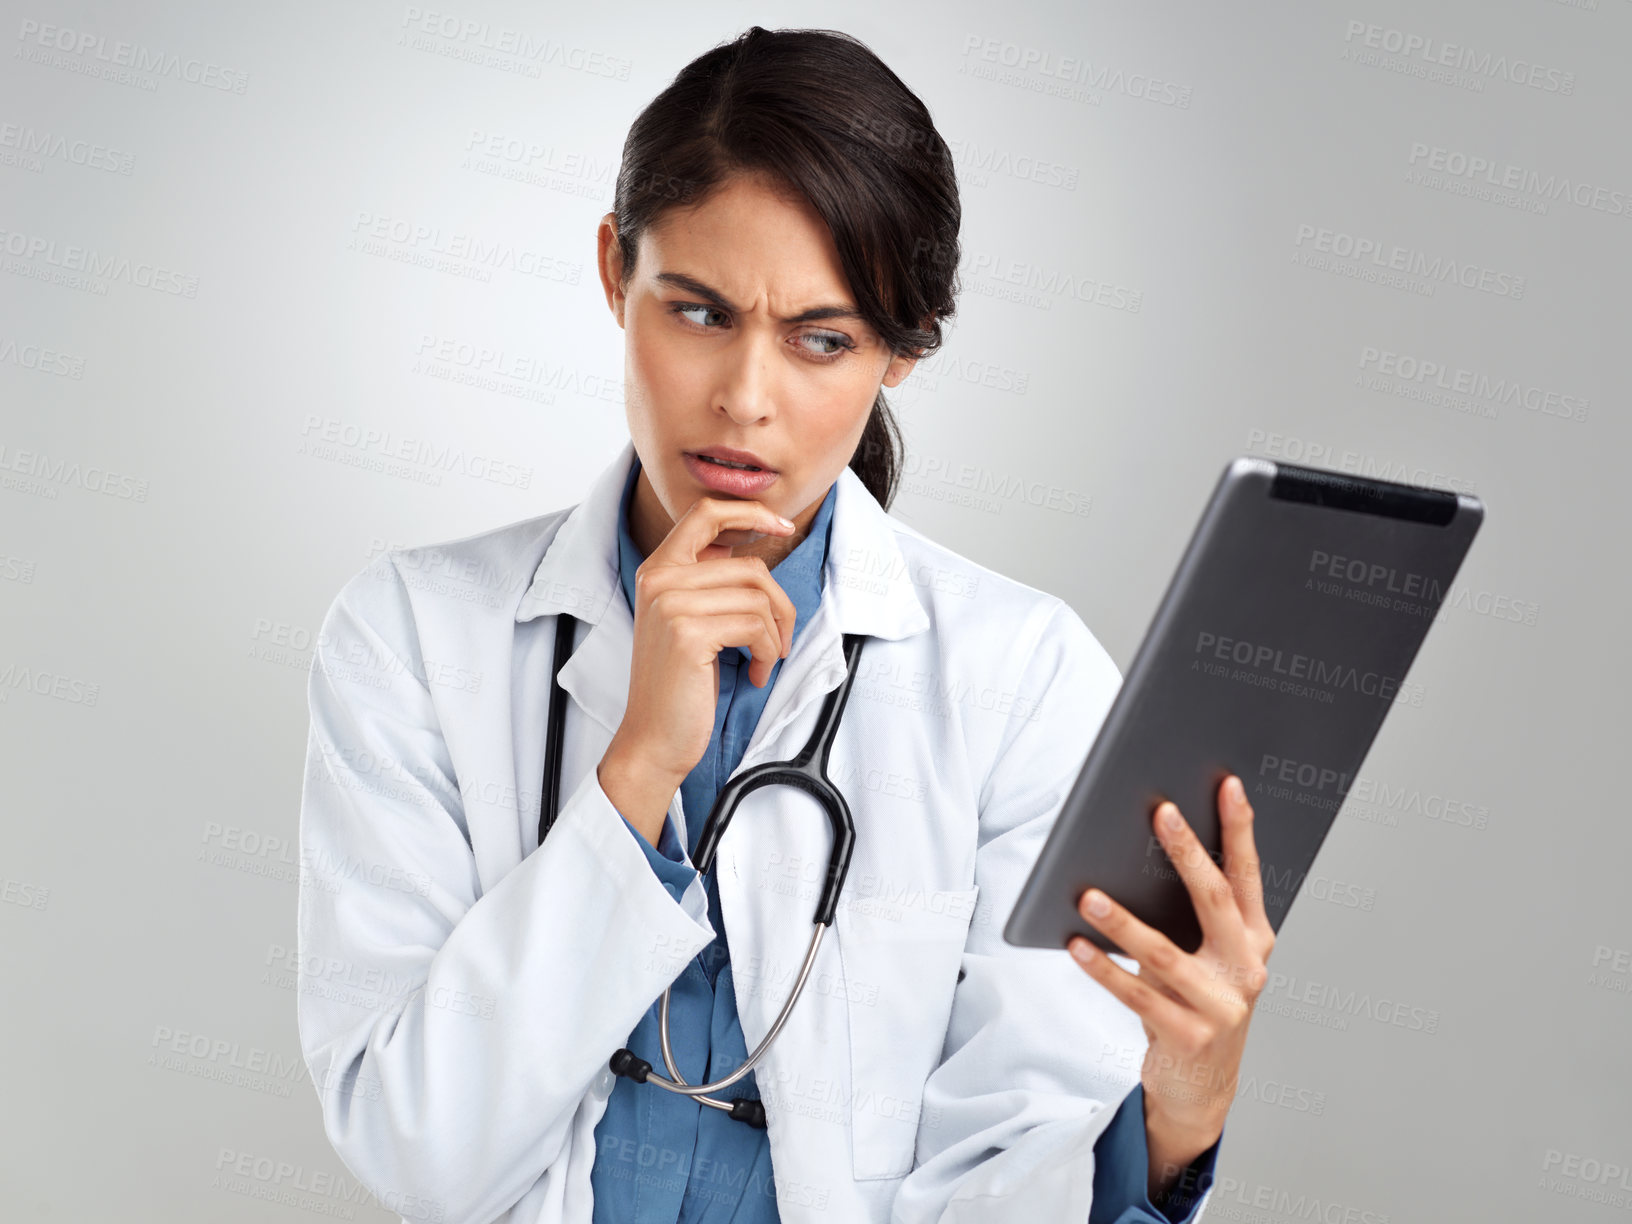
column 898, row 369
column 609, row 263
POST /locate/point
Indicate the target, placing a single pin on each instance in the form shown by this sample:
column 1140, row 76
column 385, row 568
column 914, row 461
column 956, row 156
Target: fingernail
column 785, row 522
column 1098, row 904
column 1237, row 793
column 1171, row 820
column 1083, row 950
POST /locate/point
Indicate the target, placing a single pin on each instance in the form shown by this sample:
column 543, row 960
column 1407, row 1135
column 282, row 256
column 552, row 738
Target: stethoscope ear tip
column 744, row 1109
column 625, row 1063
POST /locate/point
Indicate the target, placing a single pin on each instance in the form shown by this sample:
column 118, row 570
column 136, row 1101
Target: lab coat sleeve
column 452, row 1032
column 1037, row 1055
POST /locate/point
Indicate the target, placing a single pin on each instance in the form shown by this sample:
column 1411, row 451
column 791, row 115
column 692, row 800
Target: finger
column 707, row 517
column 692, row 539
column 757, row 635
column 749, row 630
column 1210, row 893
column 654, row 578
column 1166, row 1017
column 705, row 637
column 1158, row 956
column 1241, row 860
column 723, row 616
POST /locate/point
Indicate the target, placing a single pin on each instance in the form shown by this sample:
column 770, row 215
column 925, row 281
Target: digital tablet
column 1283, row 641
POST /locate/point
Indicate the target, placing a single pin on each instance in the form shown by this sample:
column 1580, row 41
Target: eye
column 680, row 308
column 836, row 343
column 841, row 344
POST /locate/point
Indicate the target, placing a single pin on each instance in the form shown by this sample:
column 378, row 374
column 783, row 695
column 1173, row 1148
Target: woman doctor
column 782, row 248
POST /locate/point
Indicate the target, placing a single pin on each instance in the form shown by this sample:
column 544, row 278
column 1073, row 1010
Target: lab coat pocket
column 901, row 958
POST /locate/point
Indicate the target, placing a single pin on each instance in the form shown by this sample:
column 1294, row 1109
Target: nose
column 747, row 382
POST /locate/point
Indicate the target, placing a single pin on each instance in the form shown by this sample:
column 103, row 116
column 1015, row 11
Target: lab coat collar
column 866, row 590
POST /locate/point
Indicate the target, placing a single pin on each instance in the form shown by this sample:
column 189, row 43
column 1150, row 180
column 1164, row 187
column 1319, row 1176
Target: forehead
column 751, row 239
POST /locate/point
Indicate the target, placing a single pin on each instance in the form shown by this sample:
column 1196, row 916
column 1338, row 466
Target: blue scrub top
column 660, row 1156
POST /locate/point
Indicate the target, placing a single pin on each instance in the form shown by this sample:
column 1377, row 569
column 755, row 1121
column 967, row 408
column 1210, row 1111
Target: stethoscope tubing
column 679, row 1084
column 806, row 771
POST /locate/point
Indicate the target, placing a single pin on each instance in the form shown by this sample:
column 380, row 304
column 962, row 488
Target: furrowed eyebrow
column 715, row 298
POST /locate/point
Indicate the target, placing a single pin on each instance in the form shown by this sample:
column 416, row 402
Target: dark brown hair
column 819, row 113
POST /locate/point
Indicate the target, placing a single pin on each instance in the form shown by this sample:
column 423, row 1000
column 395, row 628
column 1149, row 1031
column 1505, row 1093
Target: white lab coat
column 462, row 988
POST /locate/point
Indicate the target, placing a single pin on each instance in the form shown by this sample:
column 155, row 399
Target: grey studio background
column 334, row 291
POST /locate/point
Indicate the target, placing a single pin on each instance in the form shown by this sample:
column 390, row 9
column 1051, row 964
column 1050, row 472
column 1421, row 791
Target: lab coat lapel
column 579, row 576
column 865, row 590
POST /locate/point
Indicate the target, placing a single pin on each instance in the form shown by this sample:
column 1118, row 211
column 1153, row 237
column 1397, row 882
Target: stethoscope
column 807, row 771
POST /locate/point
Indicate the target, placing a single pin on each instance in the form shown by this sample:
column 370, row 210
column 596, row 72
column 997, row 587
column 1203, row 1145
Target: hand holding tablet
column 1195, row 1006
column 1281, row 644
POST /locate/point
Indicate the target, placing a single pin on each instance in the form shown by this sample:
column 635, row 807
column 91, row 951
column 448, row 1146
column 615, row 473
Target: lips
column 728, row 481
column 735, row 456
